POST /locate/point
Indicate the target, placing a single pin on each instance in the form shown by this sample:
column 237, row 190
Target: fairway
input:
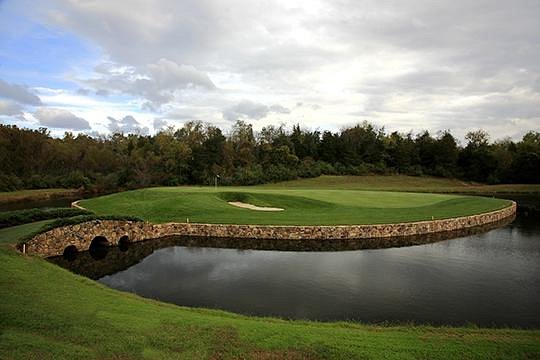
column 301, row 206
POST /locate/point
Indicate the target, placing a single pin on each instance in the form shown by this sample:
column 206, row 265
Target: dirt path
column 76, row 205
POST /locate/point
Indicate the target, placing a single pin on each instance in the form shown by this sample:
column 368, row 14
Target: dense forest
column 196, row 153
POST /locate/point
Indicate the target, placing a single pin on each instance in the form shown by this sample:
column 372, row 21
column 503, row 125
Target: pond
column 62, row 201
column 488, row 279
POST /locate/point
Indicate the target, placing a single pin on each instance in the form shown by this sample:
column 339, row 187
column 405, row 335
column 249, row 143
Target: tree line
column 197, row 152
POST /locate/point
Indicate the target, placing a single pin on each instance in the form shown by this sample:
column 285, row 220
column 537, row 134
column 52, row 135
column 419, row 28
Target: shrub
column 41, row 182
column 104, row 183
column 327, row 168
column 380, row 168
column 249, row 176
column 275, row 173
column 18, row 217
column 309, row 168
column 415, row 170
column 76, row 179
column 10, row 183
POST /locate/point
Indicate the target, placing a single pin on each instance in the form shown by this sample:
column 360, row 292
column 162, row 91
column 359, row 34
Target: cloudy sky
column 138, row 65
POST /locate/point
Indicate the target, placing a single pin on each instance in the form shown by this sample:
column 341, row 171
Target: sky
column 138, row 66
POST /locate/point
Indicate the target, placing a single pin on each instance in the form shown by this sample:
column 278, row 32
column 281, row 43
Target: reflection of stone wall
column 53, row 242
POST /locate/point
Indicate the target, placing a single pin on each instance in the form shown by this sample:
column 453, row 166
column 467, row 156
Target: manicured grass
column 47, row 312
column 302, row 206
column 403, row 183
column 38, row 194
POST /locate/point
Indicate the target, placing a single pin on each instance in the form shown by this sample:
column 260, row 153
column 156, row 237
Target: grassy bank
column 48, row 312
column 404, row 183
column 302, row 206
column 35, row 195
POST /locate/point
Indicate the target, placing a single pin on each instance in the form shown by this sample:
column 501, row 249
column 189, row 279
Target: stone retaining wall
column 53, row 242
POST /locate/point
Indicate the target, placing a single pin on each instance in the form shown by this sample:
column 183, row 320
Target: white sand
column 254, row 207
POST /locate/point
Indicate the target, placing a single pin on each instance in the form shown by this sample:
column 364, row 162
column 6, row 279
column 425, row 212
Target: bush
column 380, row 168
column 442, row 171
column 362, row 169
column 10, row 183
column 340, row 168
column 415, row 170
column 275, row 173
column 248, row 176
column 309, row 168
column 76, row 179
column 327, row 168
column 41, row 182
column 104, row 183
column 18, row 217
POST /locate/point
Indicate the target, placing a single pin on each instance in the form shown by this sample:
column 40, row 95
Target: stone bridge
column 82, row 237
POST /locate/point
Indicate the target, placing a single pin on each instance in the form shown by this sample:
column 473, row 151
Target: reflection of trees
column 117, row 259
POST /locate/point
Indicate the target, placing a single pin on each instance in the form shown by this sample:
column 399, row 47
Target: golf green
column 301, row 206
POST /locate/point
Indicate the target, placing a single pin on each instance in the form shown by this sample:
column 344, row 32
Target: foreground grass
column 48, row 312
column 32, row 195
column 302, row 206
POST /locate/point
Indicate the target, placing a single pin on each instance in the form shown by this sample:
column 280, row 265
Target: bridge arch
column 70, row 252
column 99, row 247
column 123, row 243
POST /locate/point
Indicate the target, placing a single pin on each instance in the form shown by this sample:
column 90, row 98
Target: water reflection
column 103, row 260
column 43, row 203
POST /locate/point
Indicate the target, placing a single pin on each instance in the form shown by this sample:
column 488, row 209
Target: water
column 43, row 203
column 488, row 279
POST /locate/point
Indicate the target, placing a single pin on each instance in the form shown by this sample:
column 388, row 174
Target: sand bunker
column 254, row 207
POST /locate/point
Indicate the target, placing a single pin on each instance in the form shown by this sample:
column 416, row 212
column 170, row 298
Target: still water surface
column 43, row 203
column 491, row 279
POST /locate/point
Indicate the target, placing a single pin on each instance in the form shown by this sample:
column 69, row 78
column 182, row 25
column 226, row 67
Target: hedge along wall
column 53, row 242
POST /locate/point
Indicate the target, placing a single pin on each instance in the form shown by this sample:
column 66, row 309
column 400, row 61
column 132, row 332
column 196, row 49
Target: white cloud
column 10, row 108
column 18, row 93
column 448, row 64
column 246, row 109
column 160, row 124
column 157, row 83
column 60, row 119
column 126, row 125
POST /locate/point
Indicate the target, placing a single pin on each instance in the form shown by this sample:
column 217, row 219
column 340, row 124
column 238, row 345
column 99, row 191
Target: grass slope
column 403, row 183
column 47, row 312
column 302, row 206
